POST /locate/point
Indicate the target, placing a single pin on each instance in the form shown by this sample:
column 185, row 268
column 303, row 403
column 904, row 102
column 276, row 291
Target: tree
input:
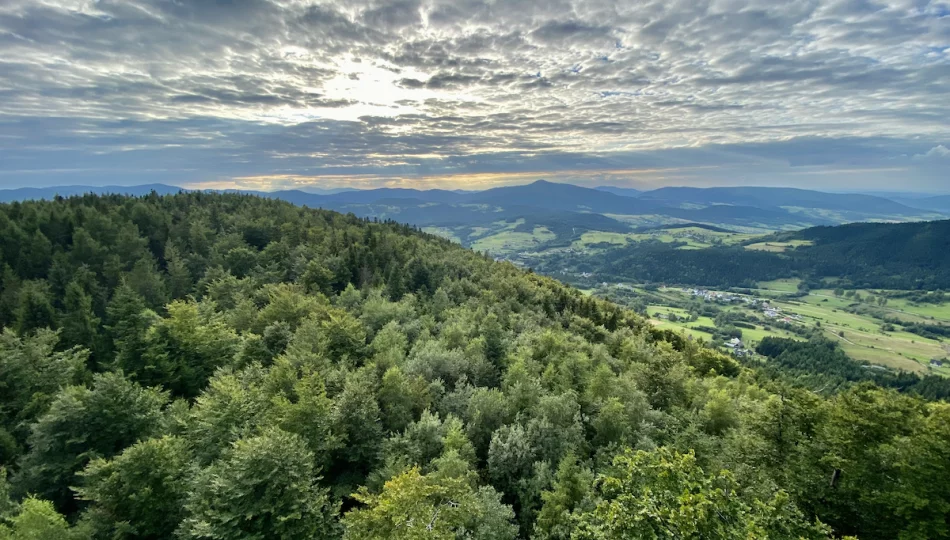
column 357, row 420
column 183, row 350
column 38, row 520
column 233, row 406
column 147, row 282
column 7, row 507
column 79, row 324
column 317, row 278
column 665, row 494
column 344, row 337
column 31, row 373
column 308, row 412
column 263, row 487
column 81, row 425
column 400, row 399
column 487, row 410
column 494, row 339
column 179, row 276
column 34, row 310
column 128, row 320
column 511, row 459
column 433, row 506
column 35, row 261
column 571, row 492
column 878, row 441
column 140, row 492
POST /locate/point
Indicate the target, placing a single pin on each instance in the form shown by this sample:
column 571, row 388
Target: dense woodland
column 907, row 256
column 228, row 367
column 822, row 365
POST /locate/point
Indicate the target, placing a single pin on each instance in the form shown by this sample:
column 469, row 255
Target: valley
column 864, row 331
column 882, row 327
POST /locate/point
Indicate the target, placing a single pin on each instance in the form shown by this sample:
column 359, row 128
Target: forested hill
column 230, row 367
column 897, row 255
column 910, row 256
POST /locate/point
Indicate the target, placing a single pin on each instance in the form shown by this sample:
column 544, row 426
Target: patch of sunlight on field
column 777, row 247
column 444, row 232
column 937, row 311
column 862, row 338
column 599, row 237
column 753, row 336
column 898, row 308
column 685, row 330
column 691, row 237
column 789, row 285
column 508, row 241
column 882, row 357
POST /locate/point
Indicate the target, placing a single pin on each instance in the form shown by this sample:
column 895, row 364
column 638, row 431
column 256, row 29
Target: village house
column 734, row 343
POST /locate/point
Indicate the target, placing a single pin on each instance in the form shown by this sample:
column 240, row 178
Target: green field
column 750, row 336
column 508, row 241
column 784, row 286
column 778, row 247
column 691, row 237
column 863, row 338
column 860, row 335
column 598, row 237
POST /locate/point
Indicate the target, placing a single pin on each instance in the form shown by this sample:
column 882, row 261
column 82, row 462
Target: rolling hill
column 940, row 203
column 768, row 197
column 625, row 192
column 569, row 210
column 906, row 256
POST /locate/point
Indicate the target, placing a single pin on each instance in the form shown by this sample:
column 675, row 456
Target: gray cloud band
column 254, row 86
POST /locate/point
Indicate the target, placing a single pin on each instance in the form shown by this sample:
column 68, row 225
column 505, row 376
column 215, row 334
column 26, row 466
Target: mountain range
column 567, row 209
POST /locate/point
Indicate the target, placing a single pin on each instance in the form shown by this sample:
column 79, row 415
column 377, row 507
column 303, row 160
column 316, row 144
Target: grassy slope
column 862, row 340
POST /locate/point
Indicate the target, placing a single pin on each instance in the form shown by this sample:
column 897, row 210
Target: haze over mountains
column 567, row 209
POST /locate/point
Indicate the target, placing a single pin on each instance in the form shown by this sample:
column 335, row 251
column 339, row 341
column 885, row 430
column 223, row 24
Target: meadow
column 777, row 247
column 862, row 336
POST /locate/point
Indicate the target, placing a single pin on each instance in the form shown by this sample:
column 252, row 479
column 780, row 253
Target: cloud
column 939, row 152
column 210, row 90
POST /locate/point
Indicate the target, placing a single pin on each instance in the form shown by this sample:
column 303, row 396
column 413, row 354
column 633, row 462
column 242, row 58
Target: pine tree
column 35, row 309
column 79, row 324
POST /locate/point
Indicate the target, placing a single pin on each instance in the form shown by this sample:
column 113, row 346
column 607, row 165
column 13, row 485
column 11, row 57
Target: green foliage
column 898, row 445
column 664, row 494
column 312, row 355
column 38, row 520
column 435, row 506
column 79, row 323
column 139, row 493
column 263, row 487
column 909, row 256
column 35, row 309
column 182, row 350
column 356, row 418
column 7, row 506
column 31, row 372
column 127, row 322
column 81, row 425
column 570, row 493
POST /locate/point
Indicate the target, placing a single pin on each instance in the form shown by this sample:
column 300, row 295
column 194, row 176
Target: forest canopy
column 211, row 366
column 905, row 256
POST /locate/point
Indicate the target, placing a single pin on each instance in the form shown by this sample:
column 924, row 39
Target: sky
column 468, row 94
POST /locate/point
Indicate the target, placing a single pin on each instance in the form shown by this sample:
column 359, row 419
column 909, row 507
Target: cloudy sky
column 268, row 94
